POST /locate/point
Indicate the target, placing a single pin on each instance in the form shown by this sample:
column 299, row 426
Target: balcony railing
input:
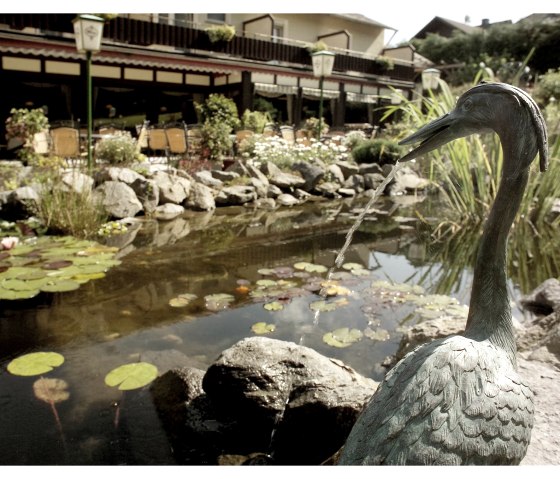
column 143, row 33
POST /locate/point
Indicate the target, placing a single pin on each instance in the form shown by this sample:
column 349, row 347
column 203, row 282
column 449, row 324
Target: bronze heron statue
column 459, row 400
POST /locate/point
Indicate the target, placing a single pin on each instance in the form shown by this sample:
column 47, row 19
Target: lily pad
column 342, row 337
column 216, row 302
column 310, row 267
column 325, row 306
column 10, row 294
column 352, row 266
column 377, row 334
column 182, row 300
column 274, row 306
column 33, row 364
column 263, row 328
column 51, row 390
column 266, row 283
column 333, row 288
column 61, row 286
column 131, row 376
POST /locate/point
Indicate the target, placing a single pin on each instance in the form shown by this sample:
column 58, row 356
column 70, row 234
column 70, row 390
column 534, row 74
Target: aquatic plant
column 52, row 264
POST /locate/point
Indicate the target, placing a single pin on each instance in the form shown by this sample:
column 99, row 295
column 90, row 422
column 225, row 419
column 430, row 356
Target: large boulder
column 147, row 193
column 236, row 195
column 544, row 299
column 205, row 177
column 262, row 395
column 168, row 211
column 201, row 198
column 76, row 181
column 280, row 178
column 20, row 203
column 113, row 173
column 311, row 173
column 118, row 199
column 172, row 188
column 348, row 169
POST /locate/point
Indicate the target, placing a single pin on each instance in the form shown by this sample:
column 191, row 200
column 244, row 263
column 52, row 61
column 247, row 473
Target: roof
column 445, row 27
column 357, row 17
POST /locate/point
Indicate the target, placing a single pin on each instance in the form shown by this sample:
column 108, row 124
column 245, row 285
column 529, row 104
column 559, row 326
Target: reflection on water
column 127, row 317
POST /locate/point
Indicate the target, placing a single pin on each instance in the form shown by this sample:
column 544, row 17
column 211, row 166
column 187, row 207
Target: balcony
column 123, row 30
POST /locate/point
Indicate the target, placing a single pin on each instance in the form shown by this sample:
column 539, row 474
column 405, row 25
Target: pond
column 127, row 316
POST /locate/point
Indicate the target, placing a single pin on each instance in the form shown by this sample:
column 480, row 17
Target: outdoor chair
column 66, row 142
column 157, row 140
column 177, row 139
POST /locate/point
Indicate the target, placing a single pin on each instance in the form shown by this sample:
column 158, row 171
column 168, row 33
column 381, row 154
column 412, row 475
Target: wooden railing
column 138, row 32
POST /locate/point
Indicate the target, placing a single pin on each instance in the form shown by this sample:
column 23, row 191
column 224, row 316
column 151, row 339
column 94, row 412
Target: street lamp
column 323, row 62
column 430, row 78
column 88, row 30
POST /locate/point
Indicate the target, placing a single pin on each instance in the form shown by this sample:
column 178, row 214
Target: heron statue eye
column 467, row 106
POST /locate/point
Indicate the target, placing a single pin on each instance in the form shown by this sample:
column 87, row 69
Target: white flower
column 9, row 242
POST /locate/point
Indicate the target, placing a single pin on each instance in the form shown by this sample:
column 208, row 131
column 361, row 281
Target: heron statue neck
column 489, row 311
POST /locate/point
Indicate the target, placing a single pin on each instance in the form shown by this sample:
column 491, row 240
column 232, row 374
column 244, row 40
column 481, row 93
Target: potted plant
column 220, row 33
column 27, row 128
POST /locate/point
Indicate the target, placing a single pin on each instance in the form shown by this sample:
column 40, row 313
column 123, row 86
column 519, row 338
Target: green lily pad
column 33, row 364
column 342, row 337
column 325, row 306
column 310, row 267
column 266, row 271
column 131, row 376
column 10, row 294
column 263, row 328
column 377, row 335
column 215, row 302
column 61, row 286
column 274, row 306
column 19, row 285
column 266, row 283
column 182, row 300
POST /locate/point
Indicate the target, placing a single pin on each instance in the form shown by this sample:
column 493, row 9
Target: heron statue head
column 477, row 111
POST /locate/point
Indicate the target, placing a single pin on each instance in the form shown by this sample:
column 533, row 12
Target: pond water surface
column 126, row 316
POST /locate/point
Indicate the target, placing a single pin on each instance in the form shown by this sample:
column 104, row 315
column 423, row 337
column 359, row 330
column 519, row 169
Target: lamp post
column 430, row 78
column 88, row 31
column 323, row 62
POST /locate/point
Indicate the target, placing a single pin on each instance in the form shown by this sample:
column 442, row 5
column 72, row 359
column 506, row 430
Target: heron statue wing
column 480, row 412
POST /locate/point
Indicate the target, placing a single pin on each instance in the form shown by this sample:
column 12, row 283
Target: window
column 277, row 32
column 216, row 17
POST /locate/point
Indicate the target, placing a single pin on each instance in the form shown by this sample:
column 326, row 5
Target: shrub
column 220, row 33
column 380, row 151
column 353, row 138
column 548, row 86
column 118, row 150
column 219, row 116
column 24, row 124
column 255, row 120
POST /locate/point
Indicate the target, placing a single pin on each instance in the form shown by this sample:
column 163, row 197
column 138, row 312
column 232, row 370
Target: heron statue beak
column 433, row 135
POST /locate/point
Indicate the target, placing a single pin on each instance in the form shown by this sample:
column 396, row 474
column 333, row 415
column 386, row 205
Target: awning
column 274, row 91
column 314, row 93
column 361, row 98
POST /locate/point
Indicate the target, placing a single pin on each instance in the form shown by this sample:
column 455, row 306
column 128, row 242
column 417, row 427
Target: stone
column 236, row 195
column 118, row 199
column 78, row 182
column 147, row 193
column 257, row 390
column 273, row 191
column 261, row 187
column 355, row 182
column 372, row 180
column 335, row 173
column 20, row 203
column 225, row 176
column 168, row 211
column 172, row 188
column 544, row 299
column 280, row 178
column 287, row 200
column 254, row 172
column 328, row 189
column 347, row 192
column 311, row 173
column 265, row 203
column 201, row 198
column 369, row 168
column 348, row 169
column 113, row 173
column 205, row 177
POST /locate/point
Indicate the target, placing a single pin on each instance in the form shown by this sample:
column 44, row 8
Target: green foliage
column 120, row 149
column 219, row 117
column 548, row 87
column 131, row 376
column 353, row 138
column 24, row 124
column 500, row 47
column 65, row 211
column 317, row 47
column 33, row 364
column 255, row 120
column 220, row 33
column 380, row 150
